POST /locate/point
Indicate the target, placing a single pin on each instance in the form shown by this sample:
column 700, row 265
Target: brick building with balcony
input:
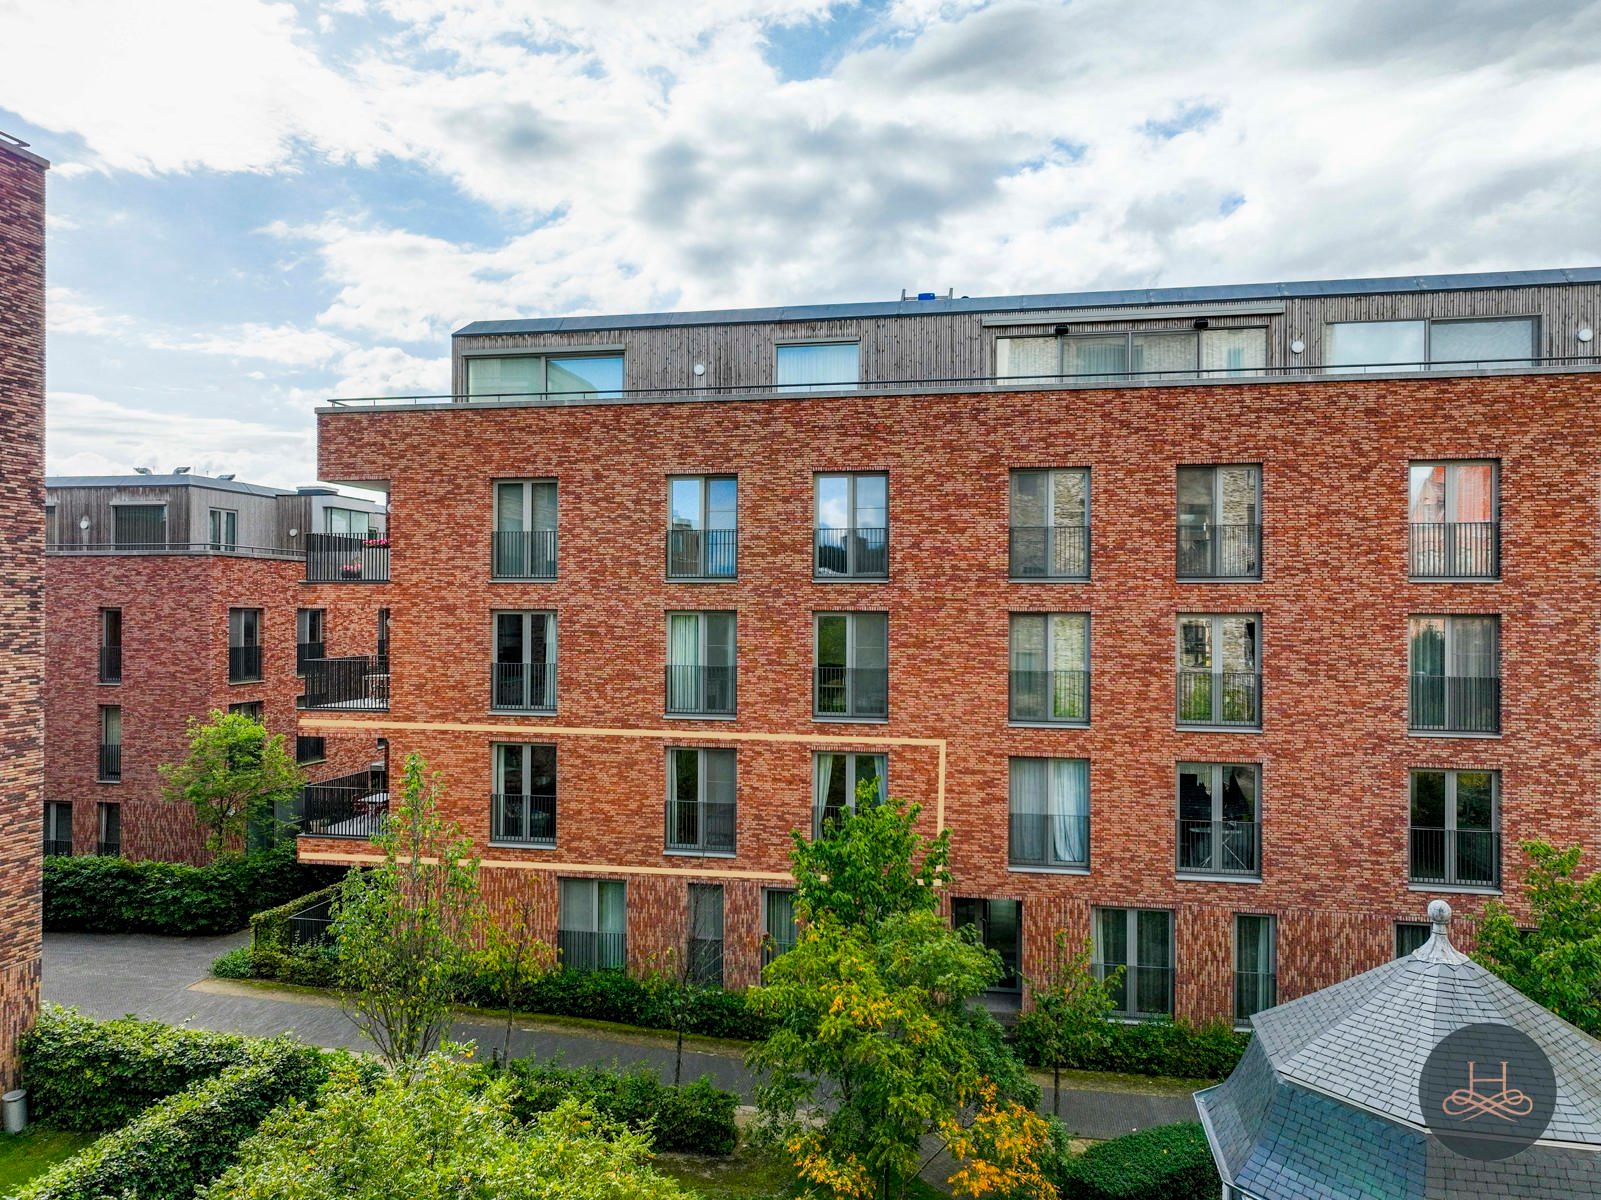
column 1224, row 627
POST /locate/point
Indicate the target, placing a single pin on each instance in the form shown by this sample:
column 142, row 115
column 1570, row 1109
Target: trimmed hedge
column 615, row 996
column 271, row 955
column 1154, row 1048
column 1166, row 1162
column 698, row 1117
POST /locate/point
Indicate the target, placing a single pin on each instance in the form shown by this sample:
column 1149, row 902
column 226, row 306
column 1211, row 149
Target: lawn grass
column 748, row 1175
column 24, row 1155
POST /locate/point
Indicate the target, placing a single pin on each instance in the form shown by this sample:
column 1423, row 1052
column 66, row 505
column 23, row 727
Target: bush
column 236, row 964
column 1153, row 1048
column 1167, row 1162
column 698, row 1117
column 273, row 957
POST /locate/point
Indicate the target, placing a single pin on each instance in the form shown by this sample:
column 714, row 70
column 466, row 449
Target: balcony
column 1227, row 699
column 110, row 664
column 305, row 652
column 586, row 950
column 701, row 691
column 1051, row 697
column 861, row 692
column 1454, row 857
column 1047, row 841
column 851, row 553
column 1455, row 704
column 523, row 820
column 350, row 806
column 110, row 762
column 1220, row 848
column 58, row 847
column 340, row 558
column 523, row 687
column 523, row 554
column 356, row 683
column 695, row 827
column 1454, row 550
column 702, row 554
column 244, row 664
column 1254, row 992
column 1210, row 552
column 1049, row 552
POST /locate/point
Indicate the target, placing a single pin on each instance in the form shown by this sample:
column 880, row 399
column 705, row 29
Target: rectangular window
column 108, row 818
column 1455, row 673
column 700, row 664
column 1465, row 344
column 244, row 645
column 841, row 781
column 1049, row 535
column 1050, row 668
column 1456, row 829
column 57, row 827
column 347, row 522
column 383, row 639
column 111, row 645
column 1455, row 523
column 139, row 526
column 110, row 770
column 310, row 749
column 1219, row 670
column 779, row 930
column 817, row 366
column 1256, row 965
column 224, row 524
column 705, row 950
column 700, row 801
column 248, row 708
column 309, row 637
column 523, row 807
column 851, row 523
column 702, row 527
column 1218, row 828
column 1140, row 941
column 1153, row 354
column 1219, row 522
column 530, row 376
column 1410, row 936
column 525, row 529
column 592, row 925
column 852, row 665
column 523, row 675
column 1000, row 929
column 1049, row 812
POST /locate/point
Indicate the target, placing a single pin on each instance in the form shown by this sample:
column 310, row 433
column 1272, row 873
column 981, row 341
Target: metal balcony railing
column 305, row 652
column 701, row 691
column 356, row 682
column 523, row 687
column 339, row 558
column 1219, row 552
column 1140, row 992
column 108, row 849
column 1254, row 992
column 586, row 950
column 694, row 827
column 851, row 553
column 60, row 847
column 1047, row 840
column 1055, row 697
column 349, row 806
column 313, row 926
column 1455, row 704
column 702, row 553
column 110, row 664
column 1049, row 552
column 1220, row 847
column 1454, row 550
column 110, row 762
column 523, row 554
column 850, row 692
column 1455, row 857
column 528, row 820
column 1227, row 698
column 244, row 664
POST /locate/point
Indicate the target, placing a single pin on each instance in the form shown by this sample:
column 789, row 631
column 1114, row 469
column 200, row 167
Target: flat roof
column 16, row 146
column 1051, row 300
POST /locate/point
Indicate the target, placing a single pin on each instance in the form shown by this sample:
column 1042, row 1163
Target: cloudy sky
column 256, row 205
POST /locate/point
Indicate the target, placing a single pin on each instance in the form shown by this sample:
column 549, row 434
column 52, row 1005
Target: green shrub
column 698, row 1117
column 1178, row 1048
column 1167, row 1162
column 272, row 956
column 236, row 964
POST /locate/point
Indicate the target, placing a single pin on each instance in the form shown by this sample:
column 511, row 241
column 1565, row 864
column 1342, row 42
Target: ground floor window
column 778, row 923
column 1000, row 928
column 705, row 961
column 1256, row 965
column 1140, row 941
column 592, row 926
column 109, row 820
column 57, row 827
column 1409, row 936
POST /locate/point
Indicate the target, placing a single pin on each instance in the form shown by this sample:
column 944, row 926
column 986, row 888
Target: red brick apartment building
column 1223, row 626
column 21, row 585
column 168, row 596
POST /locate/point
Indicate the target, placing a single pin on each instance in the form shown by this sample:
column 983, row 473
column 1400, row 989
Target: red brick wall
column 1334, row 597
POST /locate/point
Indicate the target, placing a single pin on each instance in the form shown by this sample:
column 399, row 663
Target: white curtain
column 683, row 656
column 825, row 778
column 577, row 905
column 1028, row 358
column 825, row 365
column 1233, row 351
column 1070, row 804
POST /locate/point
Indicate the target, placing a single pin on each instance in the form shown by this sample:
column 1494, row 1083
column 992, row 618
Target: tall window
column 1219, row 527
column 57, row 827
column 224, row 524
column 526, row 376
column 700, row 663
column 705, row 957
column 1218, row 828
column 244, row 645
column 383, row 639
column 779, row 929
column 1386, row 345
column 1455, row 674
column 1454, row 510
column 108, row 817
column 592, row 925
column 703, row 527
column 523, row 808
column 310, row 633
column 523, row 675
column 1140, row 940
column 1256, row 965
column 525, row 529
column 110, row 770
column 1456, row 828
column 817, row 366
column 841, row 780
column 139, row 526
column 1050, row 674
column 1219, row 670
column 852, row 665
column 1153, row 355
column 700, row 801
column 111, row 645
column 852, row 526
column 347, row 522
column 1000, row 928
column 1049, row 811
column 1050, row 524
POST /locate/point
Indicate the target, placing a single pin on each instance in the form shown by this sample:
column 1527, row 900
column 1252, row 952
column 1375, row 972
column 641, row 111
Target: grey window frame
column 1130, row 1011
column 699, row 956
column 852, row 527
column 1449, row 622
column 54, row 813
column 800, row 389
column 1405, row 931
column 819, row 801
column 104, row 811
column 1452, row 467
column 772, row 946
column 546, row 357
column 594, row 884
column 1215, row 642
column 498, row 752
column 1451, row 827
column 117, row 509
column 1215, row 520
column 704, row 483
column 1088, row 623
column 527, row 510
column 1272, row 987
column 230, row 516
column 703, row 641
column 1536, row 327
column 1215, row 780
column 701, row 847
column 1048, row 862
column 1052, row 476
column 526, row 619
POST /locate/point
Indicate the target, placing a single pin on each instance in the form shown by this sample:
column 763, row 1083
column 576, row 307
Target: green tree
column 235, row 775
column 1555, row 958
column 870, row 865
column 407, row 929
column 513, row 959
column 1068, row 1017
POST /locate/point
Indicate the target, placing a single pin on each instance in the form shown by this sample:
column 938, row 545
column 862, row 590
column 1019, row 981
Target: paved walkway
column 167, row 979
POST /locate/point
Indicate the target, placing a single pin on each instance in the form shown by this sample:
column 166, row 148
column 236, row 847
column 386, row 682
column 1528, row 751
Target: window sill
column 1219, row 877
column 700, row 716
column 1018, row 869
column 1181, row 727
column 669, row 852
column 494, row 845
column 1184, row 579
column 701, row 578
column 1446, row 733
column 1015, row 724
column 108, row 781
column 108, row 683
column 1048, row 579
column 850, row 578
column 1455, row 889
column 242, row 682
column 522, row 579
column 1425, row 579
column 310, row 762
column 522, row 712
column 820, row 719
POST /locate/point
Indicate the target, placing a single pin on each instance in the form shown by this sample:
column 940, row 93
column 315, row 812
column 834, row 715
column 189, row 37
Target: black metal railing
column 1046, row 840
column 1454, row 550
column 356, row 682
column 523, row 687
column 305, row 652
column 1057, row 697
column 704, row 827
column 851, row 553
column 523, row 554
column 110, row 664
column 1254, row 992
column 108, row 849
column 1049, row 552
column 349, row 806
column 1220, row 847
column 244, row 664
column 705, row 961
column 586, row 950
column 312, row 926
column 57, row 847
column 528, row 820
column 851, row 692
column 340, row 558
column 1455, row 704
column 110, row 760
column 702, row 553
column 1139, row 991
column 1219, row 551
column 694, row 691
column 1455, row 857
column 1231, row 698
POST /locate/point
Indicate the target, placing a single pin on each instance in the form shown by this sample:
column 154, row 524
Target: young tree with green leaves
column 513, row 958
column 235, row 775
column 1069, row 1014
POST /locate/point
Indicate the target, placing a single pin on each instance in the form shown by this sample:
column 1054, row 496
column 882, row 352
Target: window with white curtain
column 1049, row 811
column 1151, row 354
column 1455, row 673
column 817, row 366
column 592, row 924
column 841, row 781
column 779, row 927
column 700, row 800
column 1050, row 668
column 1454, row 510
column 700, row 663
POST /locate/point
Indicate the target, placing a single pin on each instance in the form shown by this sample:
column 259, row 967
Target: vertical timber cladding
column 21, row 590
